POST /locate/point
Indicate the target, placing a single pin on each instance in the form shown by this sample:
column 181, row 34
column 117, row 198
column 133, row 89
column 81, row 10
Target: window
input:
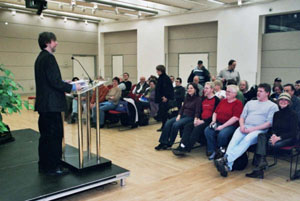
column 283, row 23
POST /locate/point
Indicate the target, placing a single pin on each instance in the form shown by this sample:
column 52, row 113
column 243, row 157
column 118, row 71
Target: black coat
column 50, row 88
column 164, row 87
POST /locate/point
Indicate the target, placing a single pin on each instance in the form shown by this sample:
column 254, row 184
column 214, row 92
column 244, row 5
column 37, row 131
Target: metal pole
column 63, row 139
column 80, row 132
column 97, row 126
column 88, row 124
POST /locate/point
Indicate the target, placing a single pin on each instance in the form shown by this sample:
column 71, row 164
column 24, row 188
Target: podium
column 79, row 158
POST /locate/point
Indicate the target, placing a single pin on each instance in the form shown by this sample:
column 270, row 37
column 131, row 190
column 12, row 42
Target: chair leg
column 296, row 174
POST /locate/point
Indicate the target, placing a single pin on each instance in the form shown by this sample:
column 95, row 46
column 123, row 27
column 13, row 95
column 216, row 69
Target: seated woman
column 194, row 131
column 284, row 132
column 148, row 99
column 187, row 113
column 218, row 89
column 224, row 121
column 113, row 98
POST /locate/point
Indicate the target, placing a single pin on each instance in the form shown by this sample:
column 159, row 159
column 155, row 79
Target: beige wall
column 193, row 38
column 121, row 43
column 19, row 47
column 281, row 57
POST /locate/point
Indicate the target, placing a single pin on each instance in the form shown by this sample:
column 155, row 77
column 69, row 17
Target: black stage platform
column 20, row 180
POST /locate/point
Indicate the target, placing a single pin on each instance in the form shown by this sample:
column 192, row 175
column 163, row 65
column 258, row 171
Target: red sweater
column 227, row 110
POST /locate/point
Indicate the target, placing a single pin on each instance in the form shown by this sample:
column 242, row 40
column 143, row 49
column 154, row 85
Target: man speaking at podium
column 50, row 102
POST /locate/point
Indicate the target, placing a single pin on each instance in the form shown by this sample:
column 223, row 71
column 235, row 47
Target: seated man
column 141, row 87
column 256, row 118
column 196, row 80
column 194, row 131
column 284, row 133
column 127, row 83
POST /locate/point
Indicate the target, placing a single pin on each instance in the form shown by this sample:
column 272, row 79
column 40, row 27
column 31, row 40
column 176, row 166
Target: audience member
column 194, row 131
column 172, row 78
column 196, row 80
column 239, row 94
column 277, row 89
column 163, row 93
column 102, row 92
column 229, row 73
column 187, row 113
column 150, row 96
column 218, row 89
column 201, row 72
column 297, row 87
column 248, row 94
column 290, row 89
column 127, row 83
column 256, row 118
column 141, row 87
column 277, row 81
column 224, row 121
column 284, row 132
column 179, row 93
column 113, row 96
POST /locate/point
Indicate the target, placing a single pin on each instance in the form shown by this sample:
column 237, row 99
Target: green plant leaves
column 10, row 102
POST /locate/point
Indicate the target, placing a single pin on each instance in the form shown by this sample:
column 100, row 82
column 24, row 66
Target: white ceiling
column 112, row 10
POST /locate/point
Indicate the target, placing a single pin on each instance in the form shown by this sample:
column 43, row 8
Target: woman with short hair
column 224, row 121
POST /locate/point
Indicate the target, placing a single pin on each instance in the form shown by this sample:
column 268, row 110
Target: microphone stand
column 90, row 79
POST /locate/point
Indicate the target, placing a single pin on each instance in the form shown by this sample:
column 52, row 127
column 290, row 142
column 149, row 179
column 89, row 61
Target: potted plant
column 10, row 101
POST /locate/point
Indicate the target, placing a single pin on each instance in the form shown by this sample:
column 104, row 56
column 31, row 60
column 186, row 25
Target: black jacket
column 285, row 123
column 164, row 87
column 50, row 88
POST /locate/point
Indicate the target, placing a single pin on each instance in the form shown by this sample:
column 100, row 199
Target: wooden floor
column 159, row 175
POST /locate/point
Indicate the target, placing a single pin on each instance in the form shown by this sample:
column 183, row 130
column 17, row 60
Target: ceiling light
column 95, row 6
column 240, row 2
column 65, row 20
column 6, row 23
column 215, row 1
column 13, row 12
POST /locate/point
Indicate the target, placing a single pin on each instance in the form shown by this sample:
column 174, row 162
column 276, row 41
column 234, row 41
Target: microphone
column 90, row 79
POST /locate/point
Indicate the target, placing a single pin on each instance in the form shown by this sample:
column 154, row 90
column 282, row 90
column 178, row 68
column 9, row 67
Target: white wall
column 19, row 46
column 238, row 35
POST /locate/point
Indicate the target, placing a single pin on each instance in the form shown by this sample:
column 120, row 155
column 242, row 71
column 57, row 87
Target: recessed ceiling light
column 13, row 12
column 215, row 1
column 6, row 23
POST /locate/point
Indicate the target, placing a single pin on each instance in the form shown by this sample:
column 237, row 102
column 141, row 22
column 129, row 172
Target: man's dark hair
column 297, row 82
column 75, row 79
column 161, row 68
column 126, row 74
column 179, row 79
column 265, row 86
column 231, row 61
column 200, row 62
column 290, row 85
column 195, row 86
column 117, row 79
column 44, row 38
